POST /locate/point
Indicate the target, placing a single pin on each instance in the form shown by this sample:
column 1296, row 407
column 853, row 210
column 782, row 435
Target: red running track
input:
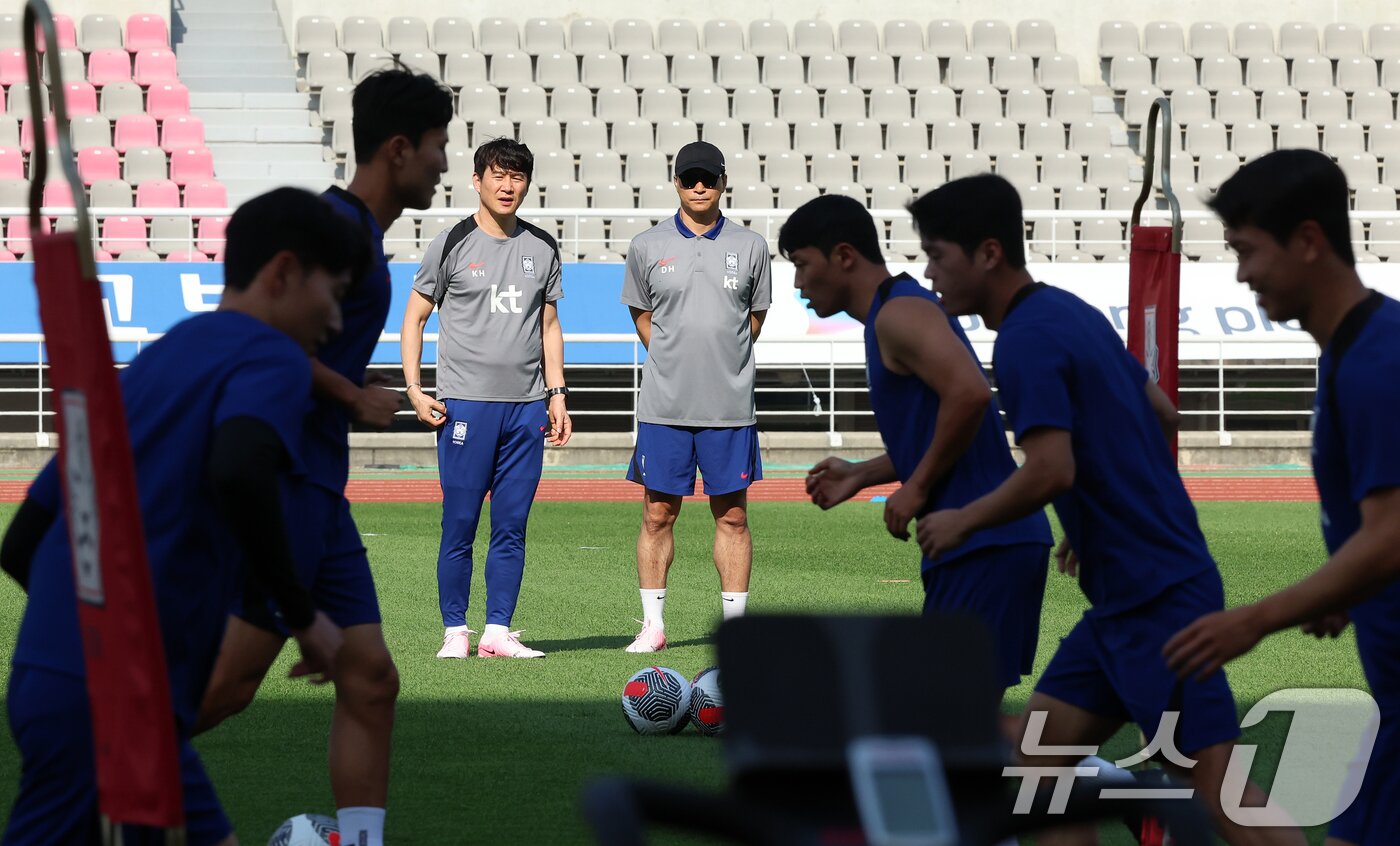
column 1201, row 489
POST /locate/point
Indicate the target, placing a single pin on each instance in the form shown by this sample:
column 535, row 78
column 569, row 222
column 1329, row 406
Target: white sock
column 1107, row 769
column 733, row 602
column 361, row 826
column 493, row 631
column 452, row 630
column 653, row 601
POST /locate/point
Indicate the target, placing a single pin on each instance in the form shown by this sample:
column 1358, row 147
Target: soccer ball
column 707, row 702
column 307, row 830
column 656, row 700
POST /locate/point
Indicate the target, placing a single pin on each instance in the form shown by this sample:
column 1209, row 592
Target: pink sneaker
column 456, row 645
column 652, row 638
column 507, row 645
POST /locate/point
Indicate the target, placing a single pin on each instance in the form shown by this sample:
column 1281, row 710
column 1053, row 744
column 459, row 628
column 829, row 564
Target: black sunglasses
column 691, row 177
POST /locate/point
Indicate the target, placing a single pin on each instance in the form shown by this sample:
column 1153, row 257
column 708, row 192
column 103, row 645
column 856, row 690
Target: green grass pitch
column 496, row 751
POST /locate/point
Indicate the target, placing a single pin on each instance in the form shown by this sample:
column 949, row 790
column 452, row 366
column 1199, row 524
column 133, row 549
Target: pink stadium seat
column 18, row 232
column 97, row 163
column 168, row 99
column 109, row 65
column 6, row 255
column 82, row 98
column 206, row 194
column 57, row 194
column 146, row 31
column 67, row 34
column 121, row 234
column 211, row 236
column 26, row 133
column 12, row 67
column 191, row 164
column 155, row 65
column 158, row 194
column 11, row 163
column 181, row 131
column 186, row 256
column 135, row 131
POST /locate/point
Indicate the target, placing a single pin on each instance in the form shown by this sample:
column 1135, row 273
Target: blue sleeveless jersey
column 905, row 411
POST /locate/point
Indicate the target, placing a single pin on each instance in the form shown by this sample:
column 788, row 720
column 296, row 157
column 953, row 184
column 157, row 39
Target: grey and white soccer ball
column 707, row 702
column 656, row 700
column 307, row 830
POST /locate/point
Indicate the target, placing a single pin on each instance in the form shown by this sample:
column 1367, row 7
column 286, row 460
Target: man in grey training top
column 500, row 388
column 698, row 286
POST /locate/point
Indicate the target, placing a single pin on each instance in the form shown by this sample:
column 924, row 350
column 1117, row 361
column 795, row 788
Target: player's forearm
column 877, row 471
column 756, row 324
column 411, row 348
column 553, row 354
column 1365, row 564
column 1024, row 492
column 328, row 384
column 955, row 428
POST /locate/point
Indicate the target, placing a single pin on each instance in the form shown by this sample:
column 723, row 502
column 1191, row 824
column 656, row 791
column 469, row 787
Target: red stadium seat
column 17, row 234
column 168, row 99
column 155, row 65
column 82, row 98
column 12, row 67
column 97, row 163
column 146, row 31
column 11, row 163
column 136, row 131
column 191, row 164
column 158, row 194
column 206, row 194
column 187, row 255
column 109, row 65
column 122, row 234
column 181, row 131
column 211, row 236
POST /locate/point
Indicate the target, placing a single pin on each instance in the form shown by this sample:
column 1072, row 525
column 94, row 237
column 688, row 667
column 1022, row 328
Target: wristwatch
column 554, row 392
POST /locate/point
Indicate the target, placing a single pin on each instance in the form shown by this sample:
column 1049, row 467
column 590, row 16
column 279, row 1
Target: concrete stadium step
column 211, row 18
column 251, row 100
column 253, row 117
column 240, row 189
column 274, row 171
column 267, row 152
column 195, row 39
column 233, row 53
column 283, row 66
column 266, row 84
column 266, row 134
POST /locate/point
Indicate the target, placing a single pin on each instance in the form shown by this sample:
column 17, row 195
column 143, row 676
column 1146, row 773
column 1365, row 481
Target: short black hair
column 1278, row 191
column 828, row 220
column 506, row 154
column 396, row 101
column 295, row 220
column 971, row 210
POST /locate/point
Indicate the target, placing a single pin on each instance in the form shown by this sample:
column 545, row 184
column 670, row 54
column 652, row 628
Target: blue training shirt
column 206, row 370
column 1059, row 364
column 905, row 411
column 325, row 442
column 1354, row 454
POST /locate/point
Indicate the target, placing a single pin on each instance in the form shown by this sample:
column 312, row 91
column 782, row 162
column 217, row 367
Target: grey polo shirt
column 490, row 325
column 700, row 290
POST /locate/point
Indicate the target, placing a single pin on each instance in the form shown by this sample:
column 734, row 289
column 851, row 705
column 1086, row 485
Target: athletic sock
column 493, row 631
column 452, row 630
column 361, row 826
column 733, row 602
column 653, row 602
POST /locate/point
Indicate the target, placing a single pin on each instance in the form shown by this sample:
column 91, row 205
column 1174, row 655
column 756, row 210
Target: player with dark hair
column 941, row 427
column 1285, row 215
column 400, row 145
column 698, row 285
column 214, row 411
column 1091, row 425
column 500, row 388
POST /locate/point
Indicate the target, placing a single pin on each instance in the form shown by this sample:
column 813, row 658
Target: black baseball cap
column 700, row 155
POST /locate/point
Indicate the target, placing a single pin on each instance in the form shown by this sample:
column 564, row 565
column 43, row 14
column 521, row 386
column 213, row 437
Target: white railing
column 1301, row 358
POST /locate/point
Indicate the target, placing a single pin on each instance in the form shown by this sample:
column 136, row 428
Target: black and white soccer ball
column 656, row 700
column 307, row 830
column 707, row 702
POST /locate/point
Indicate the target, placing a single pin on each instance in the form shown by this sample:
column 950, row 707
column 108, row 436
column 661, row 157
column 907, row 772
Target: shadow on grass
column 618, row 642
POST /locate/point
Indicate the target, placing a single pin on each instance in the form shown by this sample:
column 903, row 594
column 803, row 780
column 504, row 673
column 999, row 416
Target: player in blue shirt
column 942, row 430
column 1091, row 425
column 214, row 410
column 1285, row 216
column 400, row 128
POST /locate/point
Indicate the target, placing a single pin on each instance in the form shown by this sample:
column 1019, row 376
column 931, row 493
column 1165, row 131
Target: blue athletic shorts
column 1005, row 586
column 330, row 559
column 57, row 800
column 1373, row 819
column 1113, row 666
column 666, row 457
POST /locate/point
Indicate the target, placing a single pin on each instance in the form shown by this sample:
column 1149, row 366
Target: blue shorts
column 330, row 559
column 1005, row 586
column 1113, row 666
column 666, row 457
column 57, row 800
column 1373, row 819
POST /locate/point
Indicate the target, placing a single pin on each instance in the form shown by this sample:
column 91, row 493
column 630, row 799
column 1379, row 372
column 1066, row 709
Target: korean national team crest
column 459, row 432
column 731, row 262
column 527, row 265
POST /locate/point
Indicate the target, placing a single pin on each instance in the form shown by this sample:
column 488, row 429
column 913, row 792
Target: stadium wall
column 76, row 9
column 1076, row 21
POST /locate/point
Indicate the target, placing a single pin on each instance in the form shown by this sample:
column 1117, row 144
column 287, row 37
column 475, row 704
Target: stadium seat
column 18, row 234
column 632, row 35
column 979, row 104
column 935, row 102
column 1044, row 136
column 767, row 36
column 81, row 97
column 859, row 37
column 98, row 163
column 1384, row 39
column 1176, row 70
column 1326, row 105
column 872, row 70
column 162, row 194
column 924, row 171
column 753, row 103
column 526, row 101
column 903, row 38
column 170, row 233
column 122, row 233
column 1162, row 38
column 844, row 103
column 186, row 256
column 1355, row 73
column 1035, row 38
column 675, row 35
column 315, row 33
column 11, row 163
column 878, row 169
column 26, row 133
column 858, row 137
column 968, row 71
column 553, row 69
column 673, row 134
column 1090, row 136
column 946, row 38
column 742, row 166
column 828, row 70
column 799, row 103
column 190, row 165
column 1297, row 39
column 100, row 32
column 1059, row 70
column 1343, row 137
column 1026, row 104
column 1299, row 134
column 155, row 65
column 1253, row 40
column 1215, row 168
column 589, row 35
column 737, row 69
column 1060, row 169
column 1074, row 103
column 1209, row 38
column 1310, row 73
column 145, row 32
column 706, row 104
column 166, row 100
column 71, row 65
column 769, row 136
column 422, row 61
column 1013, row 70
column 1383, row 140
column 1360, row 169
column 12, row 67
column 540, row 134
column 645, row 167
column 907, row 137
column 722, row 36
column 1266, row 71
column 211, row 234
column 543, row 35
column 1129, row 70
column 691, row 70
column 181, row 131
column 500, row 35
column 407, row 35
column 19, row 98
column 918, row 70
column 660, row 102
column 142, row 164
column 1251, row 139
column 452, row 35
column 1118, row 38
column 1108, row 169
column 813, row 38
column 892, row 102
column 1017, row 168
column 508, row 67
column 990, row 38
column 643, row 69
column 602, row 69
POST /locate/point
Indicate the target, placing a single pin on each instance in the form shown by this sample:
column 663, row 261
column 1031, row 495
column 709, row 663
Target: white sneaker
column 456, row 645
column 507, row 645
column 652, row 638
